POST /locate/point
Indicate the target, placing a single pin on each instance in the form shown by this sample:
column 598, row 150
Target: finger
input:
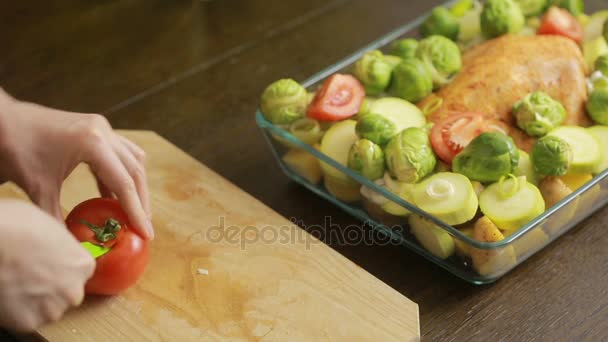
column 52, row 308
column 137, row 151
column 113, row 173
column 134, row 165
column 74, row 295
column 104, row 191
column 48, row 200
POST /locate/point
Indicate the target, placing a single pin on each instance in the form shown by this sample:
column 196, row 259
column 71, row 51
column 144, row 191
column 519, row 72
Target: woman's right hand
column 43, row 268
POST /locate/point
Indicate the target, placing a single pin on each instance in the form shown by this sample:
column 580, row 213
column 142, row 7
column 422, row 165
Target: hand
column 40, row 147
column 43, row 269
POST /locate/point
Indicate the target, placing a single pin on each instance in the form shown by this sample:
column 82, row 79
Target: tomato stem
column 105, row 233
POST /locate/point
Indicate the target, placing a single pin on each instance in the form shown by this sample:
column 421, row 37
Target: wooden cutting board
column 254, row 277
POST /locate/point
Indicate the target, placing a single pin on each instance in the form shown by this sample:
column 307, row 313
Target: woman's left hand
column 40, row 147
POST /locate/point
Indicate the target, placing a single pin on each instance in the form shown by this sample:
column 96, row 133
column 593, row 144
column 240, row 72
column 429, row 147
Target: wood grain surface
column 224, row 266
column 156, row 65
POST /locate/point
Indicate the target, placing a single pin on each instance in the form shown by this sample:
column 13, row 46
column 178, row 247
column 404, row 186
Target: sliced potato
column 489, row 262
column 529, row 242
column 554, row 190
column 304, row 164
column 376, row 212
column 346, row 190
column 434, row 239
column 462, row 248
column 575, row 180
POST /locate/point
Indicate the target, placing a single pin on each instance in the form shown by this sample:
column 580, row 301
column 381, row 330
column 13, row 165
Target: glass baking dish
column 503, row 255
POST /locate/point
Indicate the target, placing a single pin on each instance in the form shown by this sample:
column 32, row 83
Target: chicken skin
column 500, row 72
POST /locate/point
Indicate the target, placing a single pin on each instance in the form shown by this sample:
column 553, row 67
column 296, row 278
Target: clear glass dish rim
column 352, row 58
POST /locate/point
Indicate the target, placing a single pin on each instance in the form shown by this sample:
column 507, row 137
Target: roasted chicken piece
column 500, row 72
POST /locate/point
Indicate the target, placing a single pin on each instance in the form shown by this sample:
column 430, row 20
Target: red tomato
column 558, row 21
column 450, row 135
column 339, row 98
column 122, row 266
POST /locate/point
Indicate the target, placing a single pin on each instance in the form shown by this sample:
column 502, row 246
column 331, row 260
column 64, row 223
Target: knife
column 95, row 250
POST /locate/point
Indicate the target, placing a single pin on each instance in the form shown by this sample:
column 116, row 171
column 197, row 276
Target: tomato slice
column 339, row 98
column 558, row 21
column 452, row 134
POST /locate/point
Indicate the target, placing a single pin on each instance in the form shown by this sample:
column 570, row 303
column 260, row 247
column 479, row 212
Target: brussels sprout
column 409, row 155
column 441, row 57
column 576, row 7
column 366, row 158
column 376, row 128
column 551, row 156
column 440, row 22
column 538, row 113
column 531, row 8
column 597, row 106
column 488, row 157
column 499, row 17
column 404, row 48
column 411, row 81
column 374, row 72
column 284, row 101
column 601, row 64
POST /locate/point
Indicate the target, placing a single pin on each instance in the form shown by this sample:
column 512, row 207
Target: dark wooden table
column 193, row 72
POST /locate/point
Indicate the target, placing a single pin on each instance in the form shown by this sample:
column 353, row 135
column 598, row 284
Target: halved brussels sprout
column 376, row 128
column 366, row 158
column 441, row 57
column 538, row 113
column 487, row 158
column 284, row 101
column 500, row 17
column 306, row 129
column 409, row 155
